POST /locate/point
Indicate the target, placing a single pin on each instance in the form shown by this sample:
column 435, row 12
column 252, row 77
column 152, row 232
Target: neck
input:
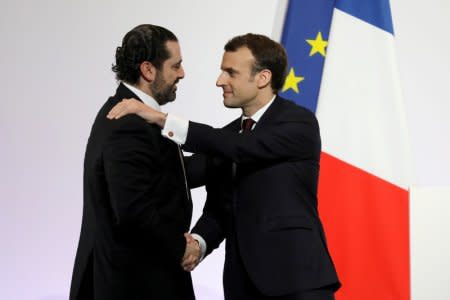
column 143, row 86
column 256, row 105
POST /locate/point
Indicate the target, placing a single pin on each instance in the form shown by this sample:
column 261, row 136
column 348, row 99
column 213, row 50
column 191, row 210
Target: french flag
column 342, row 65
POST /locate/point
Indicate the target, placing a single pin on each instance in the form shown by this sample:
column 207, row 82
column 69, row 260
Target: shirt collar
column 258, row 114
column 147, row 99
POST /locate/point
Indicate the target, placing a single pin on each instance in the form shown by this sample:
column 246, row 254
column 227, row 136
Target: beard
column 162, row 91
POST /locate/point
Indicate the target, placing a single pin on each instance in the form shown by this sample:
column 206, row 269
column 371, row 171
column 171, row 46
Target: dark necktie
column 247, row 124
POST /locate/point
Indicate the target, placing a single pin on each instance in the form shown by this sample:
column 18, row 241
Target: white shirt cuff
column 201, row 243
column 175, row 129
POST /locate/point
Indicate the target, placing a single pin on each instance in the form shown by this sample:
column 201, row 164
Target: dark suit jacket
column 135, row 212
column 270, row 198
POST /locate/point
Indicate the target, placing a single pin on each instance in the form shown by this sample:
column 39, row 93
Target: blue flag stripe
column 304, row 20
column 377, row 13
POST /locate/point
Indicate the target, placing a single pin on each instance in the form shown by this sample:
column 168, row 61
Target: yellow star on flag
column 317, row 45
column 292, row 81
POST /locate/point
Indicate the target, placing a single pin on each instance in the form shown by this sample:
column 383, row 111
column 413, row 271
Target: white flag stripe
column 360, row 110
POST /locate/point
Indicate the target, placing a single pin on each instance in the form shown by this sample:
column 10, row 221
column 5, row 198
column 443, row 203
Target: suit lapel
column 234, row 126
column 270, row 114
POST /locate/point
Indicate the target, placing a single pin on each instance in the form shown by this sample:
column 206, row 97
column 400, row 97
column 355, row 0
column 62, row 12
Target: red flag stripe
column 366, row 220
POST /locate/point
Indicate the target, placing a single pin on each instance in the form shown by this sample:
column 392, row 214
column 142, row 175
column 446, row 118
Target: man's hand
column 192, row 253
column 133, row 106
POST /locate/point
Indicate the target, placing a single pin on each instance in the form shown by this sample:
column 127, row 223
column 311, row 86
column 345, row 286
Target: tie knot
column 247, row 124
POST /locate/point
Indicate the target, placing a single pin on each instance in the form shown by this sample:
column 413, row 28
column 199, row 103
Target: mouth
column 227, row 93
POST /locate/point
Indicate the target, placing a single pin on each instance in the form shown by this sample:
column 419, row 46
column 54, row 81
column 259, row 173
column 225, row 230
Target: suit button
column 170, row 133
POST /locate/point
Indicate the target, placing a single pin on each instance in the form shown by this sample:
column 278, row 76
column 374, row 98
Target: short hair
column 145, row 42
column 268, row 55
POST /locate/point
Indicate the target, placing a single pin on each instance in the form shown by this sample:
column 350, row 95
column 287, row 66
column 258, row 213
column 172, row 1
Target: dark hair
column 268, row 55
column 145, row 42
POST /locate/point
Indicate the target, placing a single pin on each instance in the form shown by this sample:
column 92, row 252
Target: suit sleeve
column 216, row 217
column 130, row 165
column 210, row 226
column 280, row 141
column 195, row 170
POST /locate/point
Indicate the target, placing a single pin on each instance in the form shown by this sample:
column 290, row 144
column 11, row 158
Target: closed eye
column 231, row 72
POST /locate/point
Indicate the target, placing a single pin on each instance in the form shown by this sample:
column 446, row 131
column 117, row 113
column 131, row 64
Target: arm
column 215, row 220
column 195, row 170
column 210, row 229
column 287, row 140
column 296, row 137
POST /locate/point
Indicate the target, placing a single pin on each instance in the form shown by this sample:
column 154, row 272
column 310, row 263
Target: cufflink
column 170, row 133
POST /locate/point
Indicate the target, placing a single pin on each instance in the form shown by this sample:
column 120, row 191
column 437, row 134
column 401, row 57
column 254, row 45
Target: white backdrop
column 56, row 57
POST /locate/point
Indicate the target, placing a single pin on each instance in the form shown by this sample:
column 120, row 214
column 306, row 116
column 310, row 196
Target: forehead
column 240, row 58
column 174, row 49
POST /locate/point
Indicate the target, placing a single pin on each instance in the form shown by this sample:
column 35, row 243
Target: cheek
column 245, row 90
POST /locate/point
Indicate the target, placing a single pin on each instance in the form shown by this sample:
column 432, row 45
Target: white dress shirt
column 147, row 99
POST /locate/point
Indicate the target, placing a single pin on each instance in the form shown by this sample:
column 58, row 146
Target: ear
column 148, row 71
column 264, row 77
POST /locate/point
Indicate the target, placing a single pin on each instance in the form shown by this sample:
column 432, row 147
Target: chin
column 228, row 104
column 172, row 97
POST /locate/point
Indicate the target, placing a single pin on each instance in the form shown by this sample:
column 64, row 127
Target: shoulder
column 133, row 125
column 289, row 105
column 291, row 111
column 128, row 127
column 131, row 135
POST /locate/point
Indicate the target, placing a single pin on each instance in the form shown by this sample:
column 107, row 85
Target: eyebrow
column 230, row 70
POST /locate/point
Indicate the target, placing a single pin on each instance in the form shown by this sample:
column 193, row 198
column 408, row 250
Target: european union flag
column 305, row 37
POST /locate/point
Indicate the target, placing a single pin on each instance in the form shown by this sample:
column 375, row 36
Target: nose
column 181, row 72
column 220, row 80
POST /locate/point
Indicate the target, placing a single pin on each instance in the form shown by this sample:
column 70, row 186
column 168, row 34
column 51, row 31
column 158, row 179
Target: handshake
column 192, row 254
